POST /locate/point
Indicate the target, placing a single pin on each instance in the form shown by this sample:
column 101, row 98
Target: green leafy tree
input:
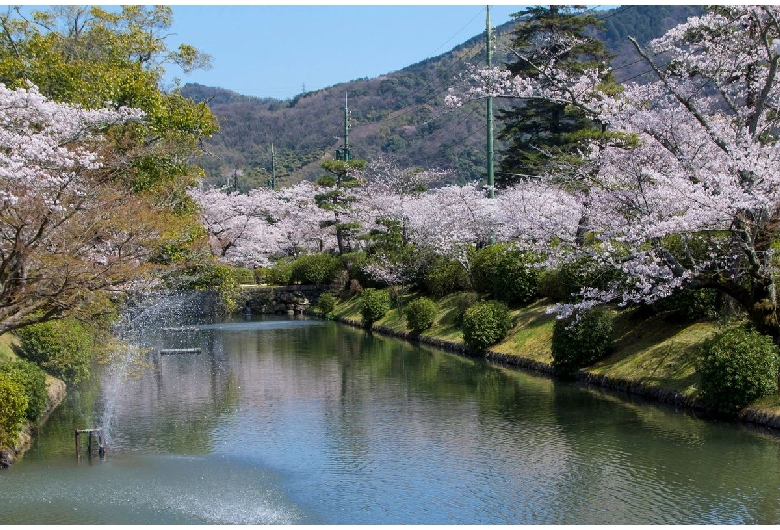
column 94, row 57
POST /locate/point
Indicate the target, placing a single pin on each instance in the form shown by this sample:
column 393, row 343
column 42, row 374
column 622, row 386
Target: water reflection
column 309, row 421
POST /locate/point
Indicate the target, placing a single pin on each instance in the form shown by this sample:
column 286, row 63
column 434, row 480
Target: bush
column 462, row 302
column 244, row 275
column 214, row 276
column 279, row 274
column 33, row 379
column 443, row 276
column 580, row 343
column 583, row 272
column 690, row 304
column 485, row 324
column 327, row 303
column 550, row 286
column 374, row 305
column 13, row 409
column 507, row 274
column 355, row 263
column 261, row 275
column 315, row 269
column 61, row 347
column 737, row 367
column 420, row 314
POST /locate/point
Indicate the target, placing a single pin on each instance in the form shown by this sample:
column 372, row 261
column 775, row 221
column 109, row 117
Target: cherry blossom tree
column 686, row 194
column 250, row 229
column 70, row 233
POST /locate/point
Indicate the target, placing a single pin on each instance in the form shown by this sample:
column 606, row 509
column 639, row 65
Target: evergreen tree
column 539, row 131
column 340, row 183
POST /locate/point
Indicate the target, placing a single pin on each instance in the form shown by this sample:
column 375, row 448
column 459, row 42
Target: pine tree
column 538, row 131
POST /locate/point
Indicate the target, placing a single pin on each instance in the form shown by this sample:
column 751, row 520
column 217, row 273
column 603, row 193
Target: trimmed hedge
column 690, row 304
column 374, row 305
column 565, row 283
column 577, row 344
column 737, row 367
column 485, row 324
column 420, row 314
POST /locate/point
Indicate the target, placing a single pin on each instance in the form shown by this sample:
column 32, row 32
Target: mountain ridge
column 400, row 114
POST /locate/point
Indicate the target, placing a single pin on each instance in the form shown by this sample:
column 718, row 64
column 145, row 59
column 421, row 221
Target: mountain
column 401, row 114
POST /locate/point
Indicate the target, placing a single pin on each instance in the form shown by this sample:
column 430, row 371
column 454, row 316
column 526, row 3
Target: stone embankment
column 284, row 300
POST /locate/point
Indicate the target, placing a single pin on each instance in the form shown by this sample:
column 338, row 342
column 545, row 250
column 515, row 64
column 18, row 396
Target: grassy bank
column 653, row 356
column 6, row 353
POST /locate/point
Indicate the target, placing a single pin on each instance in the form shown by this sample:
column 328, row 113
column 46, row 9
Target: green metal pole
column 273, row 168
column 490, row 169
column 346, row 128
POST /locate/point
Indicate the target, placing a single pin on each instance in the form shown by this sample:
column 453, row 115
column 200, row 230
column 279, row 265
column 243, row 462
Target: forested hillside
column 401, row 114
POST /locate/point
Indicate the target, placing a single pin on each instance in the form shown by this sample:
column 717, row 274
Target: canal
column 312, row 422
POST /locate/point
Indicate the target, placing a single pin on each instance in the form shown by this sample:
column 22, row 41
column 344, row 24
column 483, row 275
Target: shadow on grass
column 655, row 351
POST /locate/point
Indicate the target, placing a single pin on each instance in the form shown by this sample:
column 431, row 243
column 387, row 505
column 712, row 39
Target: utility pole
column 344, row 153
column 272, row 182
column 490, row 169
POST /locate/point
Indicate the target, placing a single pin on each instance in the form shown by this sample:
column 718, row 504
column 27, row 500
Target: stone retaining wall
column 278, row 300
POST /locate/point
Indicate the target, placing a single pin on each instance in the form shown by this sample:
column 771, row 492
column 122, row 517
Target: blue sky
column 274, row 50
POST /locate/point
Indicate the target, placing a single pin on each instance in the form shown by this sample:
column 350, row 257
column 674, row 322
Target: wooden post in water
column 98, row 432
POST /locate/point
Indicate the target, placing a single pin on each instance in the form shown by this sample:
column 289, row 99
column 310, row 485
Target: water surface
column 307, row 422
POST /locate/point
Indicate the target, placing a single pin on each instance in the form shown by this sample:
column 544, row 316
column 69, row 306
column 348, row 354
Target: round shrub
column 374, row 305
column 61, row 347
column 737, row 367
column 314, row 269
column 579, row 343
column 485, row 324
column 327, row 303
column 13, row 409
column 420, row 314
column 507, row 274
column 33, row 379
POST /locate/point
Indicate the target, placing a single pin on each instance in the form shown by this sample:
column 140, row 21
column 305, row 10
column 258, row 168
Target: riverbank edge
column 753, row 415
column 56, row 391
